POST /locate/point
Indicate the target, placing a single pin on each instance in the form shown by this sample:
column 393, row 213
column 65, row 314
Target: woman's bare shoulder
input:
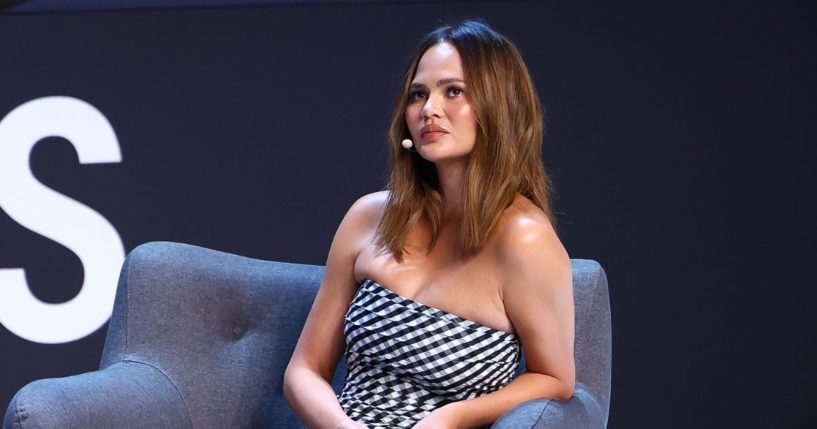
column 353, row 234
column 370, row 205
column 378, row 198
column 523, row 222
column 367, row 210
column 525, row 230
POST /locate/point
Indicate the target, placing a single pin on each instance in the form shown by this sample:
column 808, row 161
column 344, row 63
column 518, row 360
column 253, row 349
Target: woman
column 433, row 285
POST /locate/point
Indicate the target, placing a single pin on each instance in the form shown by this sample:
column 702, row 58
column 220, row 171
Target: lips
column 432, row 131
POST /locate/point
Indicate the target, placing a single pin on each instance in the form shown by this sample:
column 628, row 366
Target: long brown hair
column 505, row 160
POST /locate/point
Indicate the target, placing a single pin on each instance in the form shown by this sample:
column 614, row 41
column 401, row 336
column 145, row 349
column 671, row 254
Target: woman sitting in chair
column 435, row 285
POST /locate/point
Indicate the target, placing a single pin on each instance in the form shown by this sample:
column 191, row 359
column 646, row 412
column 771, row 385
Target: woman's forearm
column 486, row 409
column 313, row 399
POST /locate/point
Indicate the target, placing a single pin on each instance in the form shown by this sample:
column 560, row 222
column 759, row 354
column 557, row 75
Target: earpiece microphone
column 407, row 143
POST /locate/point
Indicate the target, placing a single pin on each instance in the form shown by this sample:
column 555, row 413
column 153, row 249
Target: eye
column 416, row 95
column 455, row 91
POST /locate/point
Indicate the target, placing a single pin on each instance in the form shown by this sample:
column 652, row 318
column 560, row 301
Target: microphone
column 407, row 143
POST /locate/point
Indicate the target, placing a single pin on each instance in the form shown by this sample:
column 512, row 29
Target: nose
column 431, row 108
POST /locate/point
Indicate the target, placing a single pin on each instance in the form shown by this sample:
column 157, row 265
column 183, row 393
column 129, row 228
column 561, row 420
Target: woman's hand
column 445, row 417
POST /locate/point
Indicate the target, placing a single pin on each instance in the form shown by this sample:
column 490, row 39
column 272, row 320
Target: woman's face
column 438, row 114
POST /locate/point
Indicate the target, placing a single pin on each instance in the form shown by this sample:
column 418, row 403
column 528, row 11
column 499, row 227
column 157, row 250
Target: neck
column 451, row 178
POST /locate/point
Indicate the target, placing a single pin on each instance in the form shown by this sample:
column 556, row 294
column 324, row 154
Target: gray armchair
column 200, row 339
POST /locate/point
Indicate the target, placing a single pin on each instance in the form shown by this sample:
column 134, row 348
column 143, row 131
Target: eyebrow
column 440, row 82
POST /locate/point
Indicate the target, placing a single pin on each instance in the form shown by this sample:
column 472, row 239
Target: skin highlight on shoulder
column 523, row 222
column 524, row 230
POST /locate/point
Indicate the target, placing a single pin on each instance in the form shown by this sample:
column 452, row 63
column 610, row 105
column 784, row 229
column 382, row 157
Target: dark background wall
column 680, row 136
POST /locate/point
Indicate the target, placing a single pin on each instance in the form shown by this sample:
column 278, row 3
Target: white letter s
column 42, row 210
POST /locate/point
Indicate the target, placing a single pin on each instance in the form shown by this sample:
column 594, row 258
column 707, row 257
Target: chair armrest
column 581, row 411
column 124, row 395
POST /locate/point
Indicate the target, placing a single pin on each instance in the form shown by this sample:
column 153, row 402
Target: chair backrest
column 593, row 349
column 220, row 327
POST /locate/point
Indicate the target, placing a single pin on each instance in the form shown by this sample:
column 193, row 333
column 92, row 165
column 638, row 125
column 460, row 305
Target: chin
column 441, row 156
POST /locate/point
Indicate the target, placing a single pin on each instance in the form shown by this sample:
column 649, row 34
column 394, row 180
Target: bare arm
column 538, row 298
column 308, row 375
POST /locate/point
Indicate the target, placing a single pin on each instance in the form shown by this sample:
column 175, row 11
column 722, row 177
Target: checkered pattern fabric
column 405, row 359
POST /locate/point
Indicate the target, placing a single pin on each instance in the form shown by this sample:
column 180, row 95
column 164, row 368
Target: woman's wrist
column 455, row 413
column 462, row 414
column 348, row 423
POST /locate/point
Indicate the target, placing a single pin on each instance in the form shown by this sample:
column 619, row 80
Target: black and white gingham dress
column 405, row 359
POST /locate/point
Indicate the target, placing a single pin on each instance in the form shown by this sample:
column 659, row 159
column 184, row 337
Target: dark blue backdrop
column 681, row 139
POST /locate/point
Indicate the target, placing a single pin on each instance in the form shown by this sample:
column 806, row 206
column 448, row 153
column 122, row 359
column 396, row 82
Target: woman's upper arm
column 538, row 298
column 322, row 342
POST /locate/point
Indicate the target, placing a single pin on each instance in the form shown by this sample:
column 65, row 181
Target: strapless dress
column 405, row 359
